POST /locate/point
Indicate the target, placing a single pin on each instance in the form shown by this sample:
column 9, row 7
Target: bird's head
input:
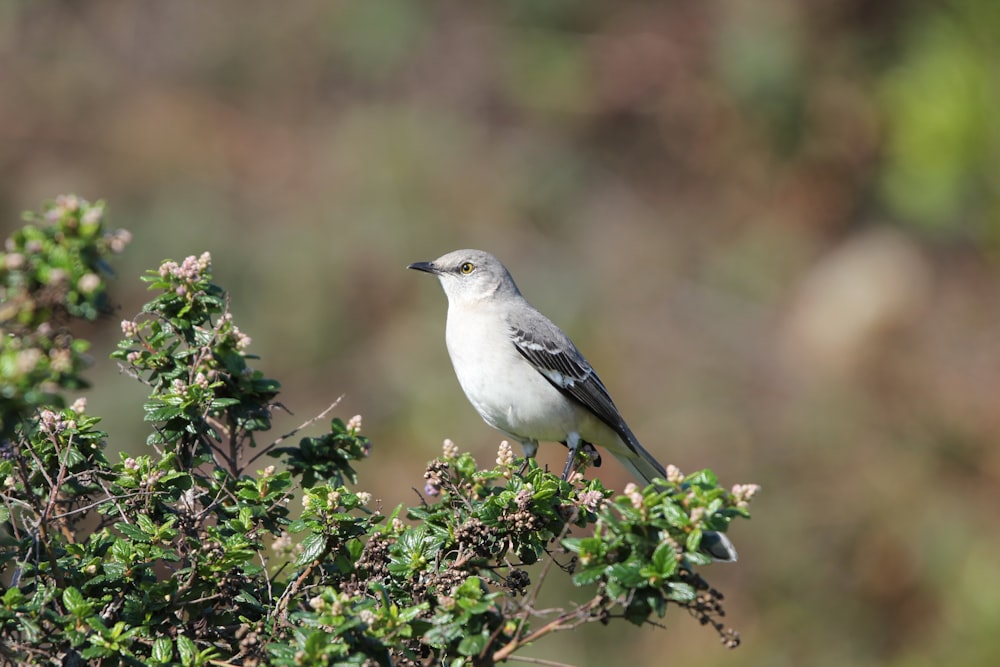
column 469, row 275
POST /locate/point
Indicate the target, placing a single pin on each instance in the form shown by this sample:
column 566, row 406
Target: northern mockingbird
column 525, row 376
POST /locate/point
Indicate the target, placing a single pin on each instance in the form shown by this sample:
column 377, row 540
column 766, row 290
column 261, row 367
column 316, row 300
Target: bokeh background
column 773, row 226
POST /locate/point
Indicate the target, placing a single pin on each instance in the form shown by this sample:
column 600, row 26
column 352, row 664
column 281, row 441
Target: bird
column 526, row 378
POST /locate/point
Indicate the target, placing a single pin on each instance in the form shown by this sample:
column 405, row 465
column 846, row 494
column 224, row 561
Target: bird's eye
column 467, row 267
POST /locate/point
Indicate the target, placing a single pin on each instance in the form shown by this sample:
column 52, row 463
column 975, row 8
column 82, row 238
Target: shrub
column 191, row 554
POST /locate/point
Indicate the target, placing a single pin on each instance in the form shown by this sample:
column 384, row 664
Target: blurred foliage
column 52, row 272
column 944, row 143
column 772, row 226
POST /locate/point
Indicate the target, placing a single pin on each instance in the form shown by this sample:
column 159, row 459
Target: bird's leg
column 530, row 448
column 573, row 444
column 590, row 453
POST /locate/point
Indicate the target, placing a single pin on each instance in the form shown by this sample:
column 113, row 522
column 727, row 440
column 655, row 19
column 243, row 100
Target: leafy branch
column 188, row 555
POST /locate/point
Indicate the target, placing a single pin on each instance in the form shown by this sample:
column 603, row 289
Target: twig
column 305, row 424
column 562, row 622
column 281, row 609
column 88, row 507
column 529, row 605
column 538, row 661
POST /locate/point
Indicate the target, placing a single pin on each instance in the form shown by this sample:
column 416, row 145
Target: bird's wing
column 553, row 354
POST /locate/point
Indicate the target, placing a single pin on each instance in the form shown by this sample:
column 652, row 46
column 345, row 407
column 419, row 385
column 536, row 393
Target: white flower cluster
column 354, row 425
column 592, row 500
column 505, row 455
column 744, row 493
column 674, row 474
column 634, row 495
column 190, row 270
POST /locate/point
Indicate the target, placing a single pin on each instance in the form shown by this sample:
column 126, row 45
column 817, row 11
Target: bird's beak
column 426, row 267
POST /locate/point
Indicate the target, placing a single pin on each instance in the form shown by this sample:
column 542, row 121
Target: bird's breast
column 506, row 390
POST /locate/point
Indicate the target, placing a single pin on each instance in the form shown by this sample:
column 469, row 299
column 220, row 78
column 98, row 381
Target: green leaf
column 187, row 650
column 12, row 597
column 96, row 623
column 472, row 645
column 665, row 559
column 298, row 525
column 157, row 412
column 146, row 524
column 704, row 478
column 224, row 402
column 584, row 545
column 92, row 652
column 246, row 598
column 312, row 548
column 637, row 612
column 471, row 587
column 163, row 650
column 75, row 603
column 693, row 541
column 675, row 514
column 114, row 571
column 589, row 575
column 133, row 532
column 410, row 613
column 680, row 592
column 627, row 574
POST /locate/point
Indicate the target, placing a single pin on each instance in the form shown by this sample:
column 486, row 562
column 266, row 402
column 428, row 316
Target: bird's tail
column 644, row 467
column 636, row 459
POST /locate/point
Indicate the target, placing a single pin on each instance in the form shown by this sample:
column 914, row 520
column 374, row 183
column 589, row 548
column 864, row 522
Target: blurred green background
column 772, row 226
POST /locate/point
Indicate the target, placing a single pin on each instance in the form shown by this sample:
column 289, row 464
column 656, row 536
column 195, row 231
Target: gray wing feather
column 552, row 352
column 555, row 356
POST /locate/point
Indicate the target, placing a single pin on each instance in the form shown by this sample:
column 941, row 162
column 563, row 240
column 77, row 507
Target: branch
column 538, row 661
column 559, row 623
column 305, row 424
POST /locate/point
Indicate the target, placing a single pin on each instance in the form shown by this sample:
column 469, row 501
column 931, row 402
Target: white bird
column 527, row 379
